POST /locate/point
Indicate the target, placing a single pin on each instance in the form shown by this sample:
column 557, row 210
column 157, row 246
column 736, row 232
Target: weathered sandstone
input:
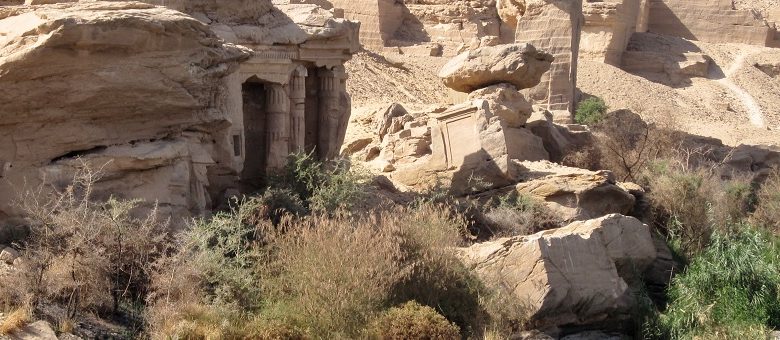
column 708, row 20
column 575, row 275
column 521, row 65
column 554, row 26
column 574, row 194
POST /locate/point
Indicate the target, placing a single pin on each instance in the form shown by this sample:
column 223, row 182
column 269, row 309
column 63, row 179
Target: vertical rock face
column 168, row 105
column 608, row 28
column 708, row 20
column 554, row 26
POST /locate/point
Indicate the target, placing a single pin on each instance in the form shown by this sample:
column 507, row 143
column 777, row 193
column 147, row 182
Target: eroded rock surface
column 574, row 194
column 575, row 275
column 521, row 65
column 180, row 105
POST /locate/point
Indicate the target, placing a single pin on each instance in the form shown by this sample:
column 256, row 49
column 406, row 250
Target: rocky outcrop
column 39, row 330
column 572, row 276
column 670, row 66
column 110, row 77
column 559, row 139
column 521, row 65
column 574, row 194
column 167, row 104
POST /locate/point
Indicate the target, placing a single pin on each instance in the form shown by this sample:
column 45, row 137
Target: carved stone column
column 331, row 113
column 278, row 126
column 298, row 108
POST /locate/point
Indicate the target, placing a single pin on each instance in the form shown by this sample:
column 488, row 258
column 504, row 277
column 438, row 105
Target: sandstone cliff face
column 554, row 26
column 709, row 21
column 125, row 81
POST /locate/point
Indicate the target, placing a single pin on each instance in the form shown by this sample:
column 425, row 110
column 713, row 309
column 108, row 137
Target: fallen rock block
column 39, row 330
column 574, row 194
column 575, row 275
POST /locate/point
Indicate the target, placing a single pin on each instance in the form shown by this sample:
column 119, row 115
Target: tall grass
column 731, row 290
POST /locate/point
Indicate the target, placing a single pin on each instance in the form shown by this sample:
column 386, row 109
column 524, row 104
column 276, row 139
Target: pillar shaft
column 298, row 108
column 330, row 113
column 278, row 126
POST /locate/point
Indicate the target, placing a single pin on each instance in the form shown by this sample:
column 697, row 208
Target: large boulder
column 521, row 65
column 575, row 275
column 574, row 194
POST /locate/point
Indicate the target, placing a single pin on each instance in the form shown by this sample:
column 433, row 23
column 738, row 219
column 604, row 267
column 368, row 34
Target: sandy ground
column 737, row 103
column 395, row 78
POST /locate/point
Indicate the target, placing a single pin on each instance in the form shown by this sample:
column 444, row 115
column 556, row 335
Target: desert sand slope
column 737, row 102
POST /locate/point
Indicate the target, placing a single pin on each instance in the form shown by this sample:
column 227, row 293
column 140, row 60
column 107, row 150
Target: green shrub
column 590, row 111
column 732, row 288
column 413, row 321
column 323, row 187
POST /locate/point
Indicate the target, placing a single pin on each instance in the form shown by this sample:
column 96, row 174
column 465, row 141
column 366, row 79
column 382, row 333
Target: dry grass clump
column 82, row 254
column 767, row 212
column 691, row 203
column 520, row 214
column 413, row 321
column 327, row 275
column 17, row 319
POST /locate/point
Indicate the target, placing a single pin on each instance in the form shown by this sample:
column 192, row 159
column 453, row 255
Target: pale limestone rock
column 608, row 28
column 643, row 58
column 521, row 65
column 559, row 139
column 574, row 275
column 505, row 102
column 574, row 194
column 39, row 330
column 8, row 255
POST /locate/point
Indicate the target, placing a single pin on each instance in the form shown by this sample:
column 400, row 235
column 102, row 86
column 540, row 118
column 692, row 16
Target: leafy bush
column 413, row 321
column 307, row 184
column 732, row 290
column 590, row 111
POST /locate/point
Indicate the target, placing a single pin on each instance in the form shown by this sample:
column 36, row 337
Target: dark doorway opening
column 254, row 105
